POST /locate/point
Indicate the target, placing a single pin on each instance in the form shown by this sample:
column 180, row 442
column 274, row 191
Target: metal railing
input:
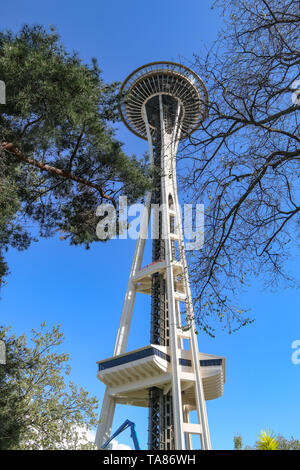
column 150, row 351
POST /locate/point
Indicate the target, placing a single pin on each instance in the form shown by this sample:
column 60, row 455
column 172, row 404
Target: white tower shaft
column 163, row 105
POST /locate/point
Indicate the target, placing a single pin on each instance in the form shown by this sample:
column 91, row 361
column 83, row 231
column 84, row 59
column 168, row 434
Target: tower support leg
column 167, row 147
column 199, row 392
column 187, row 436
column 106, row 419
column 108, row 405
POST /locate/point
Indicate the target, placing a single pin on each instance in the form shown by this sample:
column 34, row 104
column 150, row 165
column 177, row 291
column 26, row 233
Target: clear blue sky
column 84, row 290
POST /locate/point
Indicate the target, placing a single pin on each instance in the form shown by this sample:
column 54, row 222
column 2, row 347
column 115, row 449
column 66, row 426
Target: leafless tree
column 244, row 161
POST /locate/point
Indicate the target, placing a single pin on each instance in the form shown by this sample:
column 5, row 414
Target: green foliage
column 238, row 442
column 288, row 444
column 39, row 409
column 268, row 441
column 58, row 156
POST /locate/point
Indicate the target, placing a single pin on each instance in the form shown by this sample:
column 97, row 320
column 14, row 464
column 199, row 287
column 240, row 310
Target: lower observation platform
column 129, row 376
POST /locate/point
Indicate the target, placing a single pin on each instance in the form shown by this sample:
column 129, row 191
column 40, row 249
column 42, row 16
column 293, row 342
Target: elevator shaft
column 161, row 426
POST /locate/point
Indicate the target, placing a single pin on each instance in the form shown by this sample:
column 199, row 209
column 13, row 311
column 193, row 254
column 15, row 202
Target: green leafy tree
column 39, row 407
column 59, row 158
column 288, row 444
column 238, row 442
column 268, row 441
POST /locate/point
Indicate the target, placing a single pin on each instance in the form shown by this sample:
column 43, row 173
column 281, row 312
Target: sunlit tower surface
column 162, row 102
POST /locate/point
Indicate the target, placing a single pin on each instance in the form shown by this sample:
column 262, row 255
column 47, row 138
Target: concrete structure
column 162, row 102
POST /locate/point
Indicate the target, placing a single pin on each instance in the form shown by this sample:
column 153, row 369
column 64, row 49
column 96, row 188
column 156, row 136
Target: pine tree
column 59, row 158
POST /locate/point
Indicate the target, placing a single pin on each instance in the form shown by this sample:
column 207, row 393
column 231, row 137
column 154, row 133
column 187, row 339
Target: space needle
column 163, row 103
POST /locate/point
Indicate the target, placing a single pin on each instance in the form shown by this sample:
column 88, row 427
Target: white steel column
column 167, row 141
column 199, row 392
column 108, row 405
column 188, row 437
column 123, row 331
column 105, row 420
